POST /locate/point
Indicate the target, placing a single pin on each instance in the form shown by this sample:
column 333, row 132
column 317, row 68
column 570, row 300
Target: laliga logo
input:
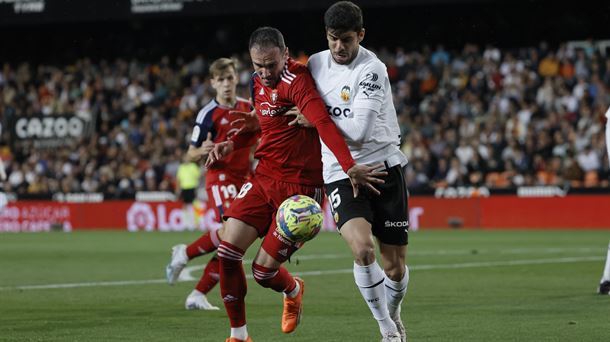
column 140, row 215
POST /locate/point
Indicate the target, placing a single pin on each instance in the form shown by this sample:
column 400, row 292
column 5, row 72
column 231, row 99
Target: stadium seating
column 530, row 116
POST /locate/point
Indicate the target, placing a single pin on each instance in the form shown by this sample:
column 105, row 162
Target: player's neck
column 226, row 102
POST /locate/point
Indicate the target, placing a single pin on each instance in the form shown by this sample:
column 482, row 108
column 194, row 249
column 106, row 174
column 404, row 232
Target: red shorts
column 222, row 193
column 257, row 204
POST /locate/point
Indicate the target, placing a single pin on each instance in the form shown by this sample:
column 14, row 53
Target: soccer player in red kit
column 223, row 179
column 289, row 163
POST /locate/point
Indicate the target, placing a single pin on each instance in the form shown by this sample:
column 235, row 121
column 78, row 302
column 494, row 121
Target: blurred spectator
column 494, row 117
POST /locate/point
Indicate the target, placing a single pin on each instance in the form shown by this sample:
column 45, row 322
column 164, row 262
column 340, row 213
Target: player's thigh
column 391, row 213
column 252, row 206
column 275, row 248
column 344, row 206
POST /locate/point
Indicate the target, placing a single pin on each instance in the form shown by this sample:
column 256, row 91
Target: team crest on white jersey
column 345, row 93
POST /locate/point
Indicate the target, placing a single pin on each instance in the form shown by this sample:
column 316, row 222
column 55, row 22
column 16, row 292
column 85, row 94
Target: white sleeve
column 360, row 127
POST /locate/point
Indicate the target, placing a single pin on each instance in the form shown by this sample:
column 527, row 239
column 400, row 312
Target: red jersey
column 215, row 118
column 291, row 153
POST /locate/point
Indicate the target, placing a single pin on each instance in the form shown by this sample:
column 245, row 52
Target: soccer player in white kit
column 355, row 86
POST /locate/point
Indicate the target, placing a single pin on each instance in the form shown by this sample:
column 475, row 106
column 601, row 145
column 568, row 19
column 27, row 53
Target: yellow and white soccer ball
column 299, row 218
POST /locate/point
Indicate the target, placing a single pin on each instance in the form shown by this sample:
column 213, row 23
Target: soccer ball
column 299, row 218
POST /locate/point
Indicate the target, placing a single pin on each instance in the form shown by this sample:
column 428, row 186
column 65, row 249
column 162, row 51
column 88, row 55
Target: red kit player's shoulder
column 296, row 66
column 296, row 72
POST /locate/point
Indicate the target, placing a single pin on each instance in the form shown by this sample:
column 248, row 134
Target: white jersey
column 363, row 84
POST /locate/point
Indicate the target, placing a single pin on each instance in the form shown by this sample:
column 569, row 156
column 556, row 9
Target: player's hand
column 207, row 145
column 219, row 151
column 247, row 120
column 364, row 176
column 299, row 119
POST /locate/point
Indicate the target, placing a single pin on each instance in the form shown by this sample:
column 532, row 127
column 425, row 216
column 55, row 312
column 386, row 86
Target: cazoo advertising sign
column 48, row 131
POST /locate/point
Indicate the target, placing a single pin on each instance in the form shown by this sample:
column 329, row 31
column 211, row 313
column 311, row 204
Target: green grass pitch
column 466, row 285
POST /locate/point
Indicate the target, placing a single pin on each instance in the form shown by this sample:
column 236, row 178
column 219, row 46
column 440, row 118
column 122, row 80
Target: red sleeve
column 243, row 140
column 304, row 94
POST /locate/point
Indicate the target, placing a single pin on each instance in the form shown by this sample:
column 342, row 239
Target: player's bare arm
column 196, row 154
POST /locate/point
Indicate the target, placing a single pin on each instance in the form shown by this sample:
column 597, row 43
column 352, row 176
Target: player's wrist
column 350, row 171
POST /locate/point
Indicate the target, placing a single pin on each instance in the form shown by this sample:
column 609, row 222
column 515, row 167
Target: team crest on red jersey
column 274, row 96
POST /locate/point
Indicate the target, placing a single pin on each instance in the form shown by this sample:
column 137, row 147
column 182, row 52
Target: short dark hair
column 343, row 16
column 267, row 37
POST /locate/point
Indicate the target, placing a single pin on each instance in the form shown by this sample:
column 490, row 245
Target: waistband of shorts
column 394, row 160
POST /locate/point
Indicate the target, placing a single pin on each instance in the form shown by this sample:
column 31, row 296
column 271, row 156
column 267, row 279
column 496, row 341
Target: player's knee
column 395, row 271
column 263, row 275
column 364, row 255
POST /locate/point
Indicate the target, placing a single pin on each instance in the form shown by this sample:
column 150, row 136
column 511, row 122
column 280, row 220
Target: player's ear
column 286, row 53
column 361, row 35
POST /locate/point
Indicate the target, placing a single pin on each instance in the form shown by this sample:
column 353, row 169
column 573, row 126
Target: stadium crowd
column 479, row 116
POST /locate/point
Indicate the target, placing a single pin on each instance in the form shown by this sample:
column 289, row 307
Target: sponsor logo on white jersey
column 369, row 84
